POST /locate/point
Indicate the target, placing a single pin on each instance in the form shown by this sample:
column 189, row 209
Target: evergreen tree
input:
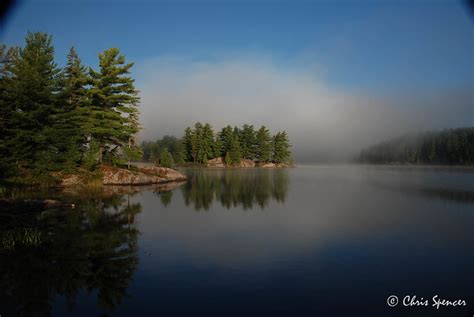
column 217, row 149
column 180, row 156
column 196, row 142
column 452, row 146
column 206, row 150
column 34, row 91
column 247, row 141
column 166, row 160
column 187, row 141
column 72, row 122
column 224, row 139
column 281, row 148
column 7, row 59
column 114, row 106
column 228, row 159
column 263, row 149
column 234, row 151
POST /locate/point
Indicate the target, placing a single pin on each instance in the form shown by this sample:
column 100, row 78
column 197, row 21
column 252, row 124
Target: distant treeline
column 61, row 119
column 450, row 147
column 201, row 144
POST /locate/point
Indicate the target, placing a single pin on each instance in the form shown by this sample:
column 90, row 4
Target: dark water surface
column 308, row 241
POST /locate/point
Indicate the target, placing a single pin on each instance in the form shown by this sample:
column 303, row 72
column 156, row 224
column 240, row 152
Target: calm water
column 308, row 241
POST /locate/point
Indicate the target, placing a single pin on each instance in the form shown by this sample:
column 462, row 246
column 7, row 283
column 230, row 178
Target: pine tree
column 166, row 160
column 281, row 148
column 34, row 91
column 234, row 151
column 187, row 141
column 217, row 149
column 228, row 159
column 72, row 122
column 196, row 142
column 180, row 152
column 206, row 151
column 247, row 141
column 224, row 139
column 114, row 106
column 7, row 59
column 263, row 148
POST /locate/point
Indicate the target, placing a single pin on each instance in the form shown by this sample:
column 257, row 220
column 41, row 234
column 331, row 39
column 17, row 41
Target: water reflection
column 65, row 251
column 232, row 189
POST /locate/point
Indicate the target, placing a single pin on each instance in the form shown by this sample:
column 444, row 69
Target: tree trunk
column 129, row 146
column 101, row 152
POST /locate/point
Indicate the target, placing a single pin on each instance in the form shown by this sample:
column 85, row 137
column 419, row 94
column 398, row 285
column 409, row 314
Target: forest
column 64, row 119
column 447, row 147
column 201, row 144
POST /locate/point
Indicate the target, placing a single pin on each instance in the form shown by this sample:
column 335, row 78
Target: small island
column 230, row 147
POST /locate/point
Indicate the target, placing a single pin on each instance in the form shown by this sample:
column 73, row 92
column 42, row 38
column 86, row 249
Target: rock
column 273, row 165
column 142, row 176
column 246, row 163
column 50, row 203
column 70, row 180
column 216, row 162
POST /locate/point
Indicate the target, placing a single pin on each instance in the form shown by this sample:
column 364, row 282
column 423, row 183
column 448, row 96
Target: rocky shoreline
column 137, row 176
column 244, row 163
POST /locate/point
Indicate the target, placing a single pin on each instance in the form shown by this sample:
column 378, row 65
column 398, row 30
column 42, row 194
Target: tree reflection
column 92, row 247
column 233, row 188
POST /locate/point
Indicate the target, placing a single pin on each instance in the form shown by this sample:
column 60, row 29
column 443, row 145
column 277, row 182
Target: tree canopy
column 56, row 118
column 452, row 146
column 201, row 144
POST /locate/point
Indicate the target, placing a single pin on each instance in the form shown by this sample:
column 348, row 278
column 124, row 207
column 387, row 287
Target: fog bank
column 324, row 122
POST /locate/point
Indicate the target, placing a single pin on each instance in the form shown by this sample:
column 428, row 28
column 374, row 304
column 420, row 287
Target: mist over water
column 324, row 122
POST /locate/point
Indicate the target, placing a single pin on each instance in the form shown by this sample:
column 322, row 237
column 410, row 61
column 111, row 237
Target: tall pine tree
column 224, row 139
column 281, row 148
column 7, row 60
column 72, row 124
column 247, row 141
column 34, row 96
column 114, row 107
column 263, row 148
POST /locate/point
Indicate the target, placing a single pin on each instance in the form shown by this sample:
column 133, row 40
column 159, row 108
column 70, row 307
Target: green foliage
column 224, row 139
column 166, row 160
column 188, row 144
column 200, row 144
column 228, row 159
column 263, row 150
column 206, row 150
column 91, row 155
column 152, row 150
column 234, row 151
column 7, row 127
column 54, row 119
column 113, row 104
column 34, row 92
column 452, row 146
column 281, row 148
column 247, row 139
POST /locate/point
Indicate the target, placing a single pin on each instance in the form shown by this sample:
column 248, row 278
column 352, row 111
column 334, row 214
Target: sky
column 337, row 75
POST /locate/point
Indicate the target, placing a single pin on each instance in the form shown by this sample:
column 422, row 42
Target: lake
column 323, row 240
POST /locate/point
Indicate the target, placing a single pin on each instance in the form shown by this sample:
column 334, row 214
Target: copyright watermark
column 392, row 301
column 436, row 301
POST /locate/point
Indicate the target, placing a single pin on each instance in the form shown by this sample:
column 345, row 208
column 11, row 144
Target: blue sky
column 358, row 44
column 351, row 72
